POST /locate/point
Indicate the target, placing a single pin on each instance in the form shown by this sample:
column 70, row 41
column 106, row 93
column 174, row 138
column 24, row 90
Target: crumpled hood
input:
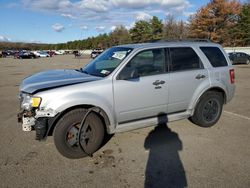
column 54, row 78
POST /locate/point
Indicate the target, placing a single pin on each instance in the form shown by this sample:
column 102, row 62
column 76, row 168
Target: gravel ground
column 179, row 155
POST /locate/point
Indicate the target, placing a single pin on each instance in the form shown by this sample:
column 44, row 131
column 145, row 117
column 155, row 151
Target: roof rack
column 180, row 40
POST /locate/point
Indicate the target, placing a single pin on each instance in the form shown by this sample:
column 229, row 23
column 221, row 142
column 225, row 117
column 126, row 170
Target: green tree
column 157, row 28
column 119, row 36
column 141, row 32
column 241, row 32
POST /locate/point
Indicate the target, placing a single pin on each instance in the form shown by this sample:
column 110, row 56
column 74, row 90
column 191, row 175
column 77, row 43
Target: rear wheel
column 66, row 134
column 208, row 110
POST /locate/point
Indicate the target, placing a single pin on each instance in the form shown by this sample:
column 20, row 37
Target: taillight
column 232, row 76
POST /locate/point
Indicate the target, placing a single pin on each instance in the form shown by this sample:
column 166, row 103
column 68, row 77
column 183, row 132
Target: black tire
column 208, row 110
column 67, row 130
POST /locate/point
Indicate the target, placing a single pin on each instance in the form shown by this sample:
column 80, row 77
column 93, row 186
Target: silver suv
column 127, row 87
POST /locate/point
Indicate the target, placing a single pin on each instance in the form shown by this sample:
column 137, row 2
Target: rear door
column 146, row 96
column 186, row 75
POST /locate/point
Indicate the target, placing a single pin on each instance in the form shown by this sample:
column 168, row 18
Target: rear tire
column 208, row 109
column 67, row 130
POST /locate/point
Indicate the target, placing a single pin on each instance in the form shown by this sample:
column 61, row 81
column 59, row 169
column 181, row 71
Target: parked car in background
column 59, row 52
column 239, row 58
column 44, row 54
column 41, row 54
column 76, row 53
column 25, row 55
column 36, row 53
column 95, row 53
column 6, row 53
column 51, row 53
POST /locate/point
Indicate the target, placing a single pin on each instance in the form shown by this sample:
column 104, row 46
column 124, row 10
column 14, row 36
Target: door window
column 148, row 62
column 184, row 59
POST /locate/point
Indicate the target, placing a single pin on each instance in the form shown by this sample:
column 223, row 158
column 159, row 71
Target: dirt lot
column 186, row 155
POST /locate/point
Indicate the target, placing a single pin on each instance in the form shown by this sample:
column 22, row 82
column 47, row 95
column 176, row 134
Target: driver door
column 145, row 96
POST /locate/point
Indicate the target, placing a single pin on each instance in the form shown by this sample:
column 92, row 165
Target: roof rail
column 180, row 40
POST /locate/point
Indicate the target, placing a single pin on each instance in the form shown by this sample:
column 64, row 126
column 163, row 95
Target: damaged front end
column 27, row 118
column 34, row 118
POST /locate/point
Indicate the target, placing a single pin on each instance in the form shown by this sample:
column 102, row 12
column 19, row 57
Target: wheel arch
column 102, row 114
column 212, row 89
column 220, row 90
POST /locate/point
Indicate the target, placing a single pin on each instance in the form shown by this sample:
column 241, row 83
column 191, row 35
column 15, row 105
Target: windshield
column 107, row 61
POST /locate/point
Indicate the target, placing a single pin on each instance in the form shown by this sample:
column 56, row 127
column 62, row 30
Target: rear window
column 215, row 56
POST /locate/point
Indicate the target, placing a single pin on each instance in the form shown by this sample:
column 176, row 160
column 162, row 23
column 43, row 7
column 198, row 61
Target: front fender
column 67, row 101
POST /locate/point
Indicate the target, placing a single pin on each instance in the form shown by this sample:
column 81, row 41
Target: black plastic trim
column 161, row 114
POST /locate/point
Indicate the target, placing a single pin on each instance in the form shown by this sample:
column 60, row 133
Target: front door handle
column 200, row 76
column 158, row 82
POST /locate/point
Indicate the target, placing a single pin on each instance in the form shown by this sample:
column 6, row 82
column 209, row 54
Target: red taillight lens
column 232, row 76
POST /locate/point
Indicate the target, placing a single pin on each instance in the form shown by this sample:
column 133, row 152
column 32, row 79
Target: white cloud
column 137, row 4
column 12, row 5
column 188, row 14
column 100, row 28
column 108, row 13
column 94, row 5
column 84, row 27
column 4, row 39
column 174, row 3
column 98, row 6
column 143, row 16
column 128, row 27
column 47, row 4
column 113, row 27
column 58, row 27
column 68, row 16
column 131, row 3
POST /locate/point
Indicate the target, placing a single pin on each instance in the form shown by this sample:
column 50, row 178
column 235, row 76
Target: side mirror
column 128, row 73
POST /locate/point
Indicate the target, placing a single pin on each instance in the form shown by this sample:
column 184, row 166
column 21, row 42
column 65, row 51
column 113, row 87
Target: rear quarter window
column 215, row 56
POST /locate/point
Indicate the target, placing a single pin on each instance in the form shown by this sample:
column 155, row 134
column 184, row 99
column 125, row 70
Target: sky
column 58, row 21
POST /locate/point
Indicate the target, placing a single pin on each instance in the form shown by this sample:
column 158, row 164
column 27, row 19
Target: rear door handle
column 200, row 76
column 158, row 82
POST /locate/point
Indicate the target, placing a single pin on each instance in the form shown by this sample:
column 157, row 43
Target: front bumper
column 42, row 125
column 27, row 119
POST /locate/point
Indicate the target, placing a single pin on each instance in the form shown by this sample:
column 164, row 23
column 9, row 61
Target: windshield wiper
column 81, row 70
column 84, row 71
column 92, row 74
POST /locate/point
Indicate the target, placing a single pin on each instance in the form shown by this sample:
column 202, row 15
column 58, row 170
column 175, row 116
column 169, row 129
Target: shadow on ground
column 164, row 166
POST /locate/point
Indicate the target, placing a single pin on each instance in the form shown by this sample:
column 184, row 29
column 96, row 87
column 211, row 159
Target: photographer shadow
column 164, row 166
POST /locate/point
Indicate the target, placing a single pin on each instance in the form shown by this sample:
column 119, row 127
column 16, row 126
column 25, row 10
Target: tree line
column 142, row 31
column 223, row 21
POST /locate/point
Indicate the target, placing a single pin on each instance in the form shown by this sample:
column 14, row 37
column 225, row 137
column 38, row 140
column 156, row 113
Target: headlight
column 29, row 102
column 35, row 102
